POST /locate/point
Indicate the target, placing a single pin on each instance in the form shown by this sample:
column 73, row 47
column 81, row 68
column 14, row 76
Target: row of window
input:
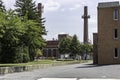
column 50, row 52
column 54, row 51
column 116, row 33
column 116, row 18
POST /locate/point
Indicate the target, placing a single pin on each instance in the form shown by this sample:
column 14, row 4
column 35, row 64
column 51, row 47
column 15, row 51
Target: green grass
column 29, row 63
column 39, row 62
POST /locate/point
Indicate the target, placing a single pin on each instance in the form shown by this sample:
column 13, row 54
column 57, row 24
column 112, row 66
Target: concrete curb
column 6, row 70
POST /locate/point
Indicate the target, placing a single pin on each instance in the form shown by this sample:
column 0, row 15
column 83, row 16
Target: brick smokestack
column 85, row 17
column 40, row 9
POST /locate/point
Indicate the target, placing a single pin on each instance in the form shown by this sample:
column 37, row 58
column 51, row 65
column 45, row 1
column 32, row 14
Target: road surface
column 77, row 71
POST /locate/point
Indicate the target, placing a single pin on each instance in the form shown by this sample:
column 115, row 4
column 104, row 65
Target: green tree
column 86, row 49
column 74, row 46
column 64, row 46
column 18, row 38
column 26, row 7
column 2, row 7
column 38, row 53
column 29, row 9
column 34, row 24
column 33, row 38
column 11, row 29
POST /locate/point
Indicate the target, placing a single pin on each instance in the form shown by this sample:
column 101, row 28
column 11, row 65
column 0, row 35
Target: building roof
column 55, row 43
column 108, row 4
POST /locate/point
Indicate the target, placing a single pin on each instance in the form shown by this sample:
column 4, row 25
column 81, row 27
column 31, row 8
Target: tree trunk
column 32, row 53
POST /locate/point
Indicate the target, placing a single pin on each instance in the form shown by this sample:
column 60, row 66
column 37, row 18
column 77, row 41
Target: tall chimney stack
column 85, row 17
column 40, row 9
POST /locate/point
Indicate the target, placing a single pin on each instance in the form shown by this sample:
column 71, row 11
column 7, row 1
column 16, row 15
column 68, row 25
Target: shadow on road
column 91, row 66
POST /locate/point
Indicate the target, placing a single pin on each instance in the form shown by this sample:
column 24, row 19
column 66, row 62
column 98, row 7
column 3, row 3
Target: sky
column 64, row 16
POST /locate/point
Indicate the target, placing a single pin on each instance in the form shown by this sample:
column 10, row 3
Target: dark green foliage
column 12, row 55
column 11, row 30
column 38, row 53
column 71, row 46
column 64, row 46
column 7, row 54
column 2, row 7
column 20, row 34
column 26, row 7
column 34, row 24
column 85, row 49
column 18, row 38
column 29, row 9
column 22, row 55
column 26, row 58
column 74, row 46
column 33, row 38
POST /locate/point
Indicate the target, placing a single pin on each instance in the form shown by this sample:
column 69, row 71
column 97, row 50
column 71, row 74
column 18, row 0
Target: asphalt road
column 78, row 71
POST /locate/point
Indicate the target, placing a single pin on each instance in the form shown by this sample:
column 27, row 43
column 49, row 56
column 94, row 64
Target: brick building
column 107, row 40
column 51, row 49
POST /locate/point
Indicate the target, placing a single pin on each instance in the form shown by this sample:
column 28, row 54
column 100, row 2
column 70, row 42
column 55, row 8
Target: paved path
column 78, row 71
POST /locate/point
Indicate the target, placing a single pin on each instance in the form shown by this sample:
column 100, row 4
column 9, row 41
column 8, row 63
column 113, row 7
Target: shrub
column 38, row 53
column 26, row 58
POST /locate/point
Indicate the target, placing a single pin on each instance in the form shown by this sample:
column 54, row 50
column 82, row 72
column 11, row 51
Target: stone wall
column 6, row 70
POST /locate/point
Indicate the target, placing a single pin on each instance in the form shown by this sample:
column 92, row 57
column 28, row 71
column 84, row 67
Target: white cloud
column 62, row 9
column 51, row 5
column 71, row 9
column 93, row 21
column 9, row 4
column 76, row 6
column 62, row 33
column 68, row 2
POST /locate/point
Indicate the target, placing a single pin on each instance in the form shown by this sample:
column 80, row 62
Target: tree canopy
column 34, row 24
column 20, row 35
column 64, row 46
column 26, row 7
column 2, row 7
column 11, row 30
column 74, row 46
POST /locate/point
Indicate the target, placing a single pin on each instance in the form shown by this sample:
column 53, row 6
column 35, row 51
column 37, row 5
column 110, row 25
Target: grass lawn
column 29, row 63
column 39, row 62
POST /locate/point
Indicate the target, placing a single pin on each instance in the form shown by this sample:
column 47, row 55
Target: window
column 45, row 52
column 116, row 14
column 116, row 53
column 49, row 52
column 54, row 52
column 116, row 33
